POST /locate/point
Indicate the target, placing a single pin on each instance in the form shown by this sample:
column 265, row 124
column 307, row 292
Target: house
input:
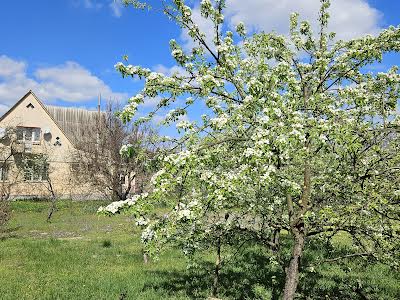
column 36, row 149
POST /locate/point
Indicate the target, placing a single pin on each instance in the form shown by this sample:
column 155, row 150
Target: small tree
column 297, row 137
column 5, row 185
column 41, row 162
column 98, row 159
column 16, row 164
column 9, row 172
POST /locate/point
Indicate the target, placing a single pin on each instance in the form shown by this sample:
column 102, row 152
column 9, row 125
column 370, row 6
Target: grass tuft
column 106, row 244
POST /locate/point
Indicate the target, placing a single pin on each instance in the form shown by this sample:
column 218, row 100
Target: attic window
column 30, row 105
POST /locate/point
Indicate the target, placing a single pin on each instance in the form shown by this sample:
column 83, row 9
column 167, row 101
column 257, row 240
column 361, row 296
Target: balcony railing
column 27, row 146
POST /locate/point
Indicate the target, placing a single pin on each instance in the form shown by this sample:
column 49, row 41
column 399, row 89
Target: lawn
column 81, row 255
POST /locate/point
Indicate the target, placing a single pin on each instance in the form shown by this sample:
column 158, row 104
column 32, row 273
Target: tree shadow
column 256, row 274
column 355, row 278
column 250, row 275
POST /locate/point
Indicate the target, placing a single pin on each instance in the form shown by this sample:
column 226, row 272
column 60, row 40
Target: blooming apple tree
column 296, row 136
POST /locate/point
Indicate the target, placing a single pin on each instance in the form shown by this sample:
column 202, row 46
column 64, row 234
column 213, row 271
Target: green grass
column 81, row 255
column 68, row 259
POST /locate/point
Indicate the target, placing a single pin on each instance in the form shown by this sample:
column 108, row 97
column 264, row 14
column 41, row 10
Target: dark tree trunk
column 53, row 206
column 292, row 271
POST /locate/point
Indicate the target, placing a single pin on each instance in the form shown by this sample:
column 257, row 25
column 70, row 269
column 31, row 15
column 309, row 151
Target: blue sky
column 65, row 50
column 76, row 37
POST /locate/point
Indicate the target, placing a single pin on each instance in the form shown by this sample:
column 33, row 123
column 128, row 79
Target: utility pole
column 99, row 104
column 98, row 119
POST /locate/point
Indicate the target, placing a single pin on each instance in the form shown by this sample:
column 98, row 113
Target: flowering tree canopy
column 297, row 137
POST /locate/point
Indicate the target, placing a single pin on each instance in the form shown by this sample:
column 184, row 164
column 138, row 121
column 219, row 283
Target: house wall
column 59, row 156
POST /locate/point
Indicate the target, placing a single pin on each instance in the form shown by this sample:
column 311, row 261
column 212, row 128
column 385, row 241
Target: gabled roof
column 18, row 103
column 69, row 120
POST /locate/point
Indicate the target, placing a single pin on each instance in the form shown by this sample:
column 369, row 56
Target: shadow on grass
column 249, row 277
column 360, row 278
column 254, row 275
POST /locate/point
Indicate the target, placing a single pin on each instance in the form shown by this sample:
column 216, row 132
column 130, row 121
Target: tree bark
column 298, row 232
column 53, row 206
column 292, row 271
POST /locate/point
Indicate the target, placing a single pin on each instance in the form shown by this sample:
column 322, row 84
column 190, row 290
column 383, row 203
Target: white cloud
column 151, row 103
column 205, row 26
column 349, row 18
column 116, row 8
column 69, row 82
column 169, row 71
column 11, row 68
column 14, row 82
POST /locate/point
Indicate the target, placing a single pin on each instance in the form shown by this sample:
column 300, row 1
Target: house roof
column 71, row 121
column 18, row 103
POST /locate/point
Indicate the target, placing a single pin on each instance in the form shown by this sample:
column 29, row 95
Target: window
column 36, row 171
column 3, row 172
column 28, row 134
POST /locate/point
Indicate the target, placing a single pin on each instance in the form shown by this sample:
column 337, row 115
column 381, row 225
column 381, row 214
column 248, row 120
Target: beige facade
column 36, row 131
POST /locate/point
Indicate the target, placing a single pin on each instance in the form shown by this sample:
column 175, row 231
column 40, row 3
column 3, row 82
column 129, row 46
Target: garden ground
column 81, row 255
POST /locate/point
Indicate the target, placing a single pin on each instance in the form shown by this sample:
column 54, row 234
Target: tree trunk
column 53, row 206
column 217, row 269
column 298, row 231
column 145, row 258
column 292, row 271
column 275, row 239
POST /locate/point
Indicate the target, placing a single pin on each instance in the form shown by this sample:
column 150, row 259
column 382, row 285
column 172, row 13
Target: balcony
column 27, row 147
column 28, row 140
